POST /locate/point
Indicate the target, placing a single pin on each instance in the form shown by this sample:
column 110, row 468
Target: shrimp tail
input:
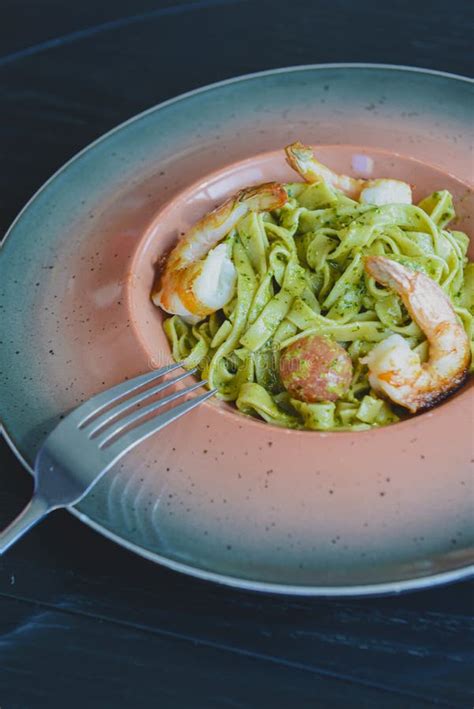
column 263, row 198
column 389, row 273
column 301, row 158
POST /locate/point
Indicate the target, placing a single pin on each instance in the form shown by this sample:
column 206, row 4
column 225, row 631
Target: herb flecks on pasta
column 300, row 272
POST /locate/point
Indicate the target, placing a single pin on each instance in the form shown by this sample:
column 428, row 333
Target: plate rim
column 359, row 590
column 225, row 82
column 388, row 588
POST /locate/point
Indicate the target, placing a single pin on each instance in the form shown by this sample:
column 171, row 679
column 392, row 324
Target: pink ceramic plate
column 220, row 495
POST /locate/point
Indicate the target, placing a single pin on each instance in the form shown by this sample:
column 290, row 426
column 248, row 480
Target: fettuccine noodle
column 300, row 271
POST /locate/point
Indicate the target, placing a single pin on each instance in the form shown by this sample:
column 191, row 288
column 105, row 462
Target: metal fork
column 93, row 437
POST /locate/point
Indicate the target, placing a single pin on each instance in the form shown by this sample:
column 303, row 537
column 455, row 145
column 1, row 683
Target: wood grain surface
column 84, row 623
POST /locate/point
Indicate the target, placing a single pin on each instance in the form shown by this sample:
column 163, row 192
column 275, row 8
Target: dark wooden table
column 83, row 622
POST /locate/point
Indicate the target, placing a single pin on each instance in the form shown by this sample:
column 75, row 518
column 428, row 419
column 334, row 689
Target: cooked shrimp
column 197, row 279
column 394, row 369
column 378, row 192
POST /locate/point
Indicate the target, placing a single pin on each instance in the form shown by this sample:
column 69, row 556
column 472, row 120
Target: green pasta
column 300, row 271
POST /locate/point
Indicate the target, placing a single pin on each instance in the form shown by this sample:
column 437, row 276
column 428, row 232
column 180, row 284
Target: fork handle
column 35, row 510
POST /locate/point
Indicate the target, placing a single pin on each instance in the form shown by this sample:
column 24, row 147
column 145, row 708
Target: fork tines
column 104, row 419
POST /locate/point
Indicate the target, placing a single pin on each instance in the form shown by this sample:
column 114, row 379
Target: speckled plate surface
column 218, row 495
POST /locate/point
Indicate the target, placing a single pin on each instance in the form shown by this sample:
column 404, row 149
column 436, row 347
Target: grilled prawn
column 378, row 192
column 394, row 369
column 199, row 276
